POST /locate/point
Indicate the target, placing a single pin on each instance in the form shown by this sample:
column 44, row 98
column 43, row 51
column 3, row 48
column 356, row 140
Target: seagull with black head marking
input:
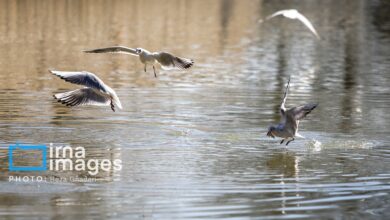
column 95, row 92
column 294, row 14
column 288, row 127
column 166, row 60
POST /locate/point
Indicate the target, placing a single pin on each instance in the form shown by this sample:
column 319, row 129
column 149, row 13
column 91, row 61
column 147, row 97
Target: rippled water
column 193, row 143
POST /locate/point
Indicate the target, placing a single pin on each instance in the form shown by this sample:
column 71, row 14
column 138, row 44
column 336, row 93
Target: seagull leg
column 282, row 141
column 289, row 141
column 145, row 68
column 154, row 70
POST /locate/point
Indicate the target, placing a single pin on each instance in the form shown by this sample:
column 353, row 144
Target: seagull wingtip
column 315, row 105
column 55, row 96
column 54, row 72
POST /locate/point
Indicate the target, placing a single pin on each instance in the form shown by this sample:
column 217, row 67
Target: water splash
column 314, row 145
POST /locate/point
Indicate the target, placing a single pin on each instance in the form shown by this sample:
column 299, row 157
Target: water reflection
column 285, row 163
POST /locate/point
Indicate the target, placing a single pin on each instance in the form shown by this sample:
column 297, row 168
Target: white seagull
column 166, row 60
column 288, row 127
column 294, row 14
column 95, row 92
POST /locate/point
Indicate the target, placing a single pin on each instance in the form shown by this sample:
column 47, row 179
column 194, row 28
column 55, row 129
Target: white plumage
column 95, row 92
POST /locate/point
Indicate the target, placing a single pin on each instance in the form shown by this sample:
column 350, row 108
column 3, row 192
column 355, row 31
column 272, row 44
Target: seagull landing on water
column 95, row 92
column 166, row 60
column 288, row 127
column 294, row 14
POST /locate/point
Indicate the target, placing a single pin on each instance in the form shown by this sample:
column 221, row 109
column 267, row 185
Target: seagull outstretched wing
column 282, row 105
column 96, row 92
column 84, row 96
column 82, row 78
column 169, row 61
column 294, row 14
column 307, row 23
column 300, row 112
column 116, row 49
column 281, row 12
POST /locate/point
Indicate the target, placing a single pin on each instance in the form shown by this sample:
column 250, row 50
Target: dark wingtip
column 112, row 106
column 188, row 65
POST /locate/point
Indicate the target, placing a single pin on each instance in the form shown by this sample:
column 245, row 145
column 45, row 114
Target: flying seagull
column 95, row 92
column 288, row 127
column 294, row 14
column 166, row 60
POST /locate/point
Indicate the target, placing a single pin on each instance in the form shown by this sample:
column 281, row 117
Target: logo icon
column 18, row 151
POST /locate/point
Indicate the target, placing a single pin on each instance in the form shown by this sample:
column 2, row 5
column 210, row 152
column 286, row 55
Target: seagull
column 294, row 14
column 95, row 92
column 288, row 127
column 166, row 60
